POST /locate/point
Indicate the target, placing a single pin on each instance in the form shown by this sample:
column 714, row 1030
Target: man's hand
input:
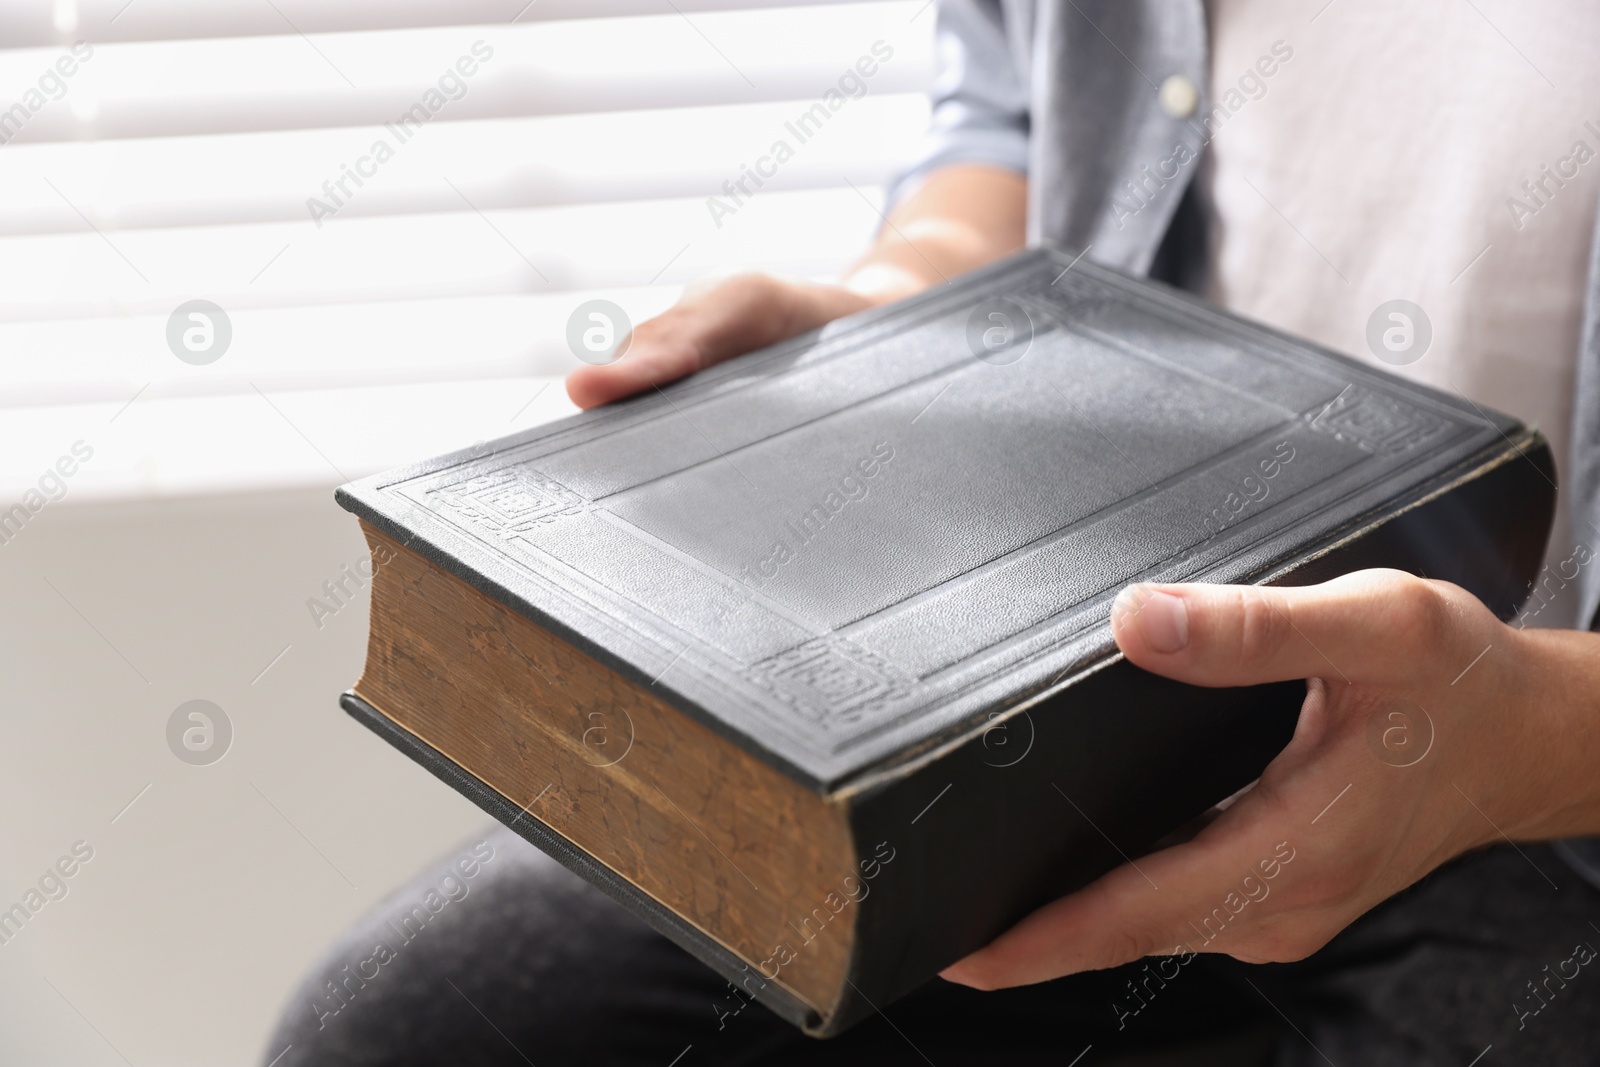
column 728, row 319
column 1429, row 728
column 962, row 216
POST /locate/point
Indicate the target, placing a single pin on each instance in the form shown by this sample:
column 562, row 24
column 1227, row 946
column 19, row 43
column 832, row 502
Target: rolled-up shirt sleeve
column 980, row 99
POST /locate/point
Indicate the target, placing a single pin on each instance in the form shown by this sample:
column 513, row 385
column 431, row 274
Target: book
column 806, row 659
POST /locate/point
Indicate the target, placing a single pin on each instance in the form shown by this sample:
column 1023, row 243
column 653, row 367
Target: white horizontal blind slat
column 303, row 347
column 52, row 22
column 490, row 165
column 174, row 88
column 416, row 257
column 246, row 442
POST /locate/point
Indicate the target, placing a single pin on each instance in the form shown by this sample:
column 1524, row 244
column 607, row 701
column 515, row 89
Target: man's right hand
column 960, row 217
column 728, row 319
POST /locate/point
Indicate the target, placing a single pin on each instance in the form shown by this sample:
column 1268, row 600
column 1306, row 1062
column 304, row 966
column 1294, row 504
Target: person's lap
column 522, row 962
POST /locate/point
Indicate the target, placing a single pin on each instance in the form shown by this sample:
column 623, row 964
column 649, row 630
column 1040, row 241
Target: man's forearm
column 960, row 218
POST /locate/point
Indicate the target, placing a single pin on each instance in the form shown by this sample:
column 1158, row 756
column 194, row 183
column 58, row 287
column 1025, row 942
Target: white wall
column 179, row 940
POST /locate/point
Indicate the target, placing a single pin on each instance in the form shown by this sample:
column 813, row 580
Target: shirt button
column 1179, row 97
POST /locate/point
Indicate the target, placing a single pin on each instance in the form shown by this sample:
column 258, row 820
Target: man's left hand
column 1429, row 728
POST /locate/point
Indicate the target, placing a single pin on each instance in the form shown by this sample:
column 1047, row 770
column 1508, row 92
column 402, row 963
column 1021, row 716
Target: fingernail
column 1161, row 618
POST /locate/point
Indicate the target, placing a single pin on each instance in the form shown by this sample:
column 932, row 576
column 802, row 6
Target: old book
column 806, row 660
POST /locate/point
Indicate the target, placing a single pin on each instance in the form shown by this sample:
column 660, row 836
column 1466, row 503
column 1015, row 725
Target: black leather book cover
column 856, row 552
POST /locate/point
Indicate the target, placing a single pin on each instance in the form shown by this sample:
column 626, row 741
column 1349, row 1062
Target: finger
column 1193, row 897
column 1367, row 626
column 727, row 320
column 645, row 363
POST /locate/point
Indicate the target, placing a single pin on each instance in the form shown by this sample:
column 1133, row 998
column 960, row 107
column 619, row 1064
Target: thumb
column 1367, row 626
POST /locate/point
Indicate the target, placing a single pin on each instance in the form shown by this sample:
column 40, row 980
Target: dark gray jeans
column 511, row 960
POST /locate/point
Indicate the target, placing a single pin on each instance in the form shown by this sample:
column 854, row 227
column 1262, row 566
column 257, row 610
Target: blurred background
column 174, row 474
